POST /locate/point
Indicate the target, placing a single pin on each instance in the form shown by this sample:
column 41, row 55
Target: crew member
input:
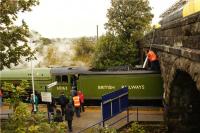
column 69, row 113
column 63, row 102
column 81, row 96
column 76, row 101
column 153, row 59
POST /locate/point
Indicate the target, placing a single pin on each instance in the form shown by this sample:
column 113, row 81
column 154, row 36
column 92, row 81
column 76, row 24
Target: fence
column 137, row 113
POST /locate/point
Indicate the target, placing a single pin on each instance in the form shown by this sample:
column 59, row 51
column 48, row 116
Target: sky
column 76, row 18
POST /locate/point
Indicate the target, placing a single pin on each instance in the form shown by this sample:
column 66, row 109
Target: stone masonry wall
column 170, row 64
column 178, row 47
column 184, row 33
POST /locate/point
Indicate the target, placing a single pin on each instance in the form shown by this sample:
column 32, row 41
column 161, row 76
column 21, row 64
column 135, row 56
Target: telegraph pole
column 97, row 32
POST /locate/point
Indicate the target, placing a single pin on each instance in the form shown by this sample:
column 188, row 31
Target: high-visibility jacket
column 151, row 56
column 76, row 100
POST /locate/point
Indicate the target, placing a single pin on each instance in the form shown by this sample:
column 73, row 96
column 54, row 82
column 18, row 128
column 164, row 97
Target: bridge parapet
column 180, row 37
column 183, row 32
column 178, row 47
column 179, row 41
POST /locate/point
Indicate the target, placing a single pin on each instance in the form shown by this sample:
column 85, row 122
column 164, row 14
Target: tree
column 22, row 121
column 128, row 19
column 13, row 38
column 110, row 53
column 15, row 90
column 127, row 22
column 84, row 49
column 105, row 54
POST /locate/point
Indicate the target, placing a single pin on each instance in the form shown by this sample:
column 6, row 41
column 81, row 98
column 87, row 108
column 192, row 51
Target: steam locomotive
column 143, row 85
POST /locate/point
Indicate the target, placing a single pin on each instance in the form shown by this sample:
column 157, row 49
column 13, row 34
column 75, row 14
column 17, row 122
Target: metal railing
column 134, row 116
column 98, row 124
column 144, row 107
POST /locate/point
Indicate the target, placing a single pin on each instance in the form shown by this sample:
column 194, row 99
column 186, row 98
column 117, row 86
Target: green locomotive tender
column 142, row 84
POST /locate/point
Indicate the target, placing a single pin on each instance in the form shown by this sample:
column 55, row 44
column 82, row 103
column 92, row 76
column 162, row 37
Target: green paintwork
column 141, row 86
column 41, row 77
column 39, row 73
column 60, row 87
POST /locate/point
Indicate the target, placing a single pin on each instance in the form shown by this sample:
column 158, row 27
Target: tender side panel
column 141, row 86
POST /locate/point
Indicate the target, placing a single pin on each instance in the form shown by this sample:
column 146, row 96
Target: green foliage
column 22, row 121
column 127, row 22
column 13, row 39
column 15, row 91
column 84, row 49
column 105, row 129
column 128, row 19
column 105, row 54
column 111, row 51
column 136, row 128
column 16, row 123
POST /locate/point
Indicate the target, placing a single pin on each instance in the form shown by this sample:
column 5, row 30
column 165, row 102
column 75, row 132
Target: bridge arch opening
column 183, row 114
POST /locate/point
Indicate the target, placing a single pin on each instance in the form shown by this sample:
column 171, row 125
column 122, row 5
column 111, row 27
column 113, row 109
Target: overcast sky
column 76, row 18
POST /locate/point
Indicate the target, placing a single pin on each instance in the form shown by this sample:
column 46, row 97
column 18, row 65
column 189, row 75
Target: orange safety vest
column 76, row 101
column 151, row 56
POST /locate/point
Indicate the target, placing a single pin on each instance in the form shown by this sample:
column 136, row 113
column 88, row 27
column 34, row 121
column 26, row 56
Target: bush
column 105, row 129
column 22, row 121
column 136, row 128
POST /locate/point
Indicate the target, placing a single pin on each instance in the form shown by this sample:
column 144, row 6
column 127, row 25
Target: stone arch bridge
column 178, row 47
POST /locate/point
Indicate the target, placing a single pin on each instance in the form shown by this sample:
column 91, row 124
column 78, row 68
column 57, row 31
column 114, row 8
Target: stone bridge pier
column 178, row 46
